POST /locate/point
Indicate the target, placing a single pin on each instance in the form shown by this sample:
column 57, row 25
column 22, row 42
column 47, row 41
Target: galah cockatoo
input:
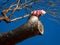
column 35, row 19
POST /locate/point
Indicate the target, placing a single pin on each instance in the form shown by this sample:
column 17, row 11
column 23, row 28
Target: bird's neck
column 33, row 19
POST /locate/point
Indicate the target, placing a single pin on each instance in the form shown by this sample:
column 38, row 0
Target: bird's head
column 38, row 13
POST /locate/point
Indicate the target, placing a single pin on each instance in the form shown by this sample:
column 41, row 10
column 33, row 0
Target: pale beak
column 43, row 12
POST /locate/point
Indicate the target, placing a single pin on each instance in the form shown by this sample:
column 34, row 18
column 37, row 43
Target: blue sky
column 51, row 34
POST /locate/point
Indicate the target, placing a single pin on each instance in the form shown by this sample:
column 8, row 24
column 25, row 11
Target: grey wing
column 40, row 27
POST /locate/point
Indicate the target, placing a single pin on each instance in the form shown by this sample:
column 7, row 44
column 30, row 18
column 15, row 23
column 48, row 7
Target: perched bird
column 35, row 19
